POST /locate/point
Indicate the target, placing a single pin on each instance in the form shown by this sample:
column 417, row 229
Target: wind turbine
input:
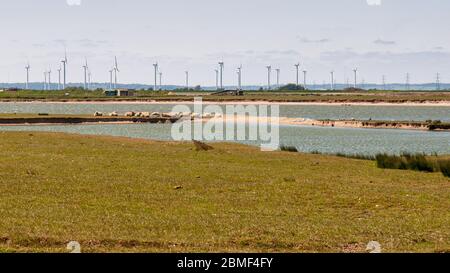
column 64, row 62
column 304, row 78
column 85, row 67
column 111, row 79
column 116, row 70
column 49, row 78
column 332, row 80
column 45, row 80
column 155, row 87
column 239, row 72
column 221, row 66
column 269, row 73
column 59, row 77
column 217, row 79
column 297, row 67
column 187, row 80
column 160, row 80
column 383, row 79
column 278, row 77
column 438, row 81
column 28, row 75
column 356, row 77
column 407, row 81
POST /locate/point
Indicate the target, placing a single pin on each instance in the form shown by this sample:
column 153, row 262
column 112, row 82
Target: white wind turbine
column 305, row 72
column 27, row 68
column 278, row 77
column 116, row 70
column 59, row 77
column 269, row 73
column 239, row 73
column 187, row 80
column 45, row 80
column 111, row 79
column 297, row 68
column 217, row 78
column 355, row 71
column 64, row 62
column 85, row 67
column 155, row 86
column 332, row 80
column 49, row 78
column 221, row 67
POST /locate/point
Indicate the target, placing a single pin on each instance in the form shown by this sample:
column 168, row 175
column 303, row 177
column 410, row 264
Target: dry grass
column 124, row 195
column 274, row 96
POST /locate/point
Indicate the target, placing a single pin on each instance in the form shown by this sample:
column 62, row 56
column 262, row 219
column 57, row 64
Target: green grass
column 415, row 162
column 125, row 195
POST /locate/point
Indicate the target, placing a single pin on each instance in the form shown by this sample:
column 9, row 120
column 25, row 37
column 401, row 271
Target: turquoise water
column 307, row 139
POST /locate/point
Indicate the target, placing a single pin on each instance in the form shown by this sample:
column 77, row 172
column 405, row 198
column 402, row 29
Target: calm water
column 307, row 139
column 417, row 113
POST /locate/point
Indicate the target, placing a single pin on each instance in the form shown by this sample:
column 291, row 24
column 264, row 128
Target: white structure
column 45, row 80
column 239, row 73
column 408, row 80
column 297, row 67
column 111, row 78
column 155, row 67
column 304, row 78
column 59, row 77
column 49, row 72
column 116, row 70
column 187, row 80
column 217, row 79
column 355, row 71
column 269, row 74
column 64, row 62
column 221, row 67
column 332, row 80
column 85, row 67
column 28, row 76
column 278, row 77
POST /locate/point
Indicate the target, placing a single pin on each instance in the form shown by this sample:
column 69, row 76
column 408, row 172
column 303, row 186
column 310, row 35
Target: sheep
column 130, row 114
column 98, row 114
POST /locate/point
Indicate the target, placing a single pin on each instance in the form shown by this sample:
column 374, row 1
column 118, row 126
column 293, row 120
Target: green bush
column 291, row 149
column 444, row 166
column 417, row 162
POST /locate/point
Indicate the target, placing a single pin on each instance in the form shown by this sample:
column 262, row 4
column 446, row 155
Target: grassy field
column 125, row 195
column 273, row 96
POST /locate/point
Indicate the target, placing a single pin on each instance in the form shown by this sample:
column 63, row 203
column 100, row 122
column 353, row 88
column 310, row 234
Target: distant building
column 119, row 93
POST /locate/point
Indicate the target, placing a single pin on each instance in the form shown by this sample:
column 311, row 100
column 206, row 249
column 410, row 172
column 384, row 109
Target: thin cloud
column 384, row 42
column 310, row 41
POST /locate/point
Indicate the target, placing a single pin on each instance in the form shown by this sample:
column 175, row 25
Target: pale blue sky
column 393, row 38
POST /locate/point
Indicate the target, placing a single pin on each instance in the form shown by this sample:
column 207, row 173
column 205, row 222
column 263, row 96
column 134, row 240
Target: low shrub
column 444, row 167
column 291, row 149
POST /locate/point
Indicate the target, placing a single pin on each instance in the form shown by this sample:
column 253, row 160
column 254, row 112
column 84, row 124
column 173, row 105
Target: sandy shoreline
column 356, row 124
column 413, row 104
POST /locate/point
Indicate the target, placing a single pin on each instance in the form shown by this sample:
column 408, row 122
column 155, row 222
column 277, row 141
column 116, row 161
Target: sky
column 390, row 37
